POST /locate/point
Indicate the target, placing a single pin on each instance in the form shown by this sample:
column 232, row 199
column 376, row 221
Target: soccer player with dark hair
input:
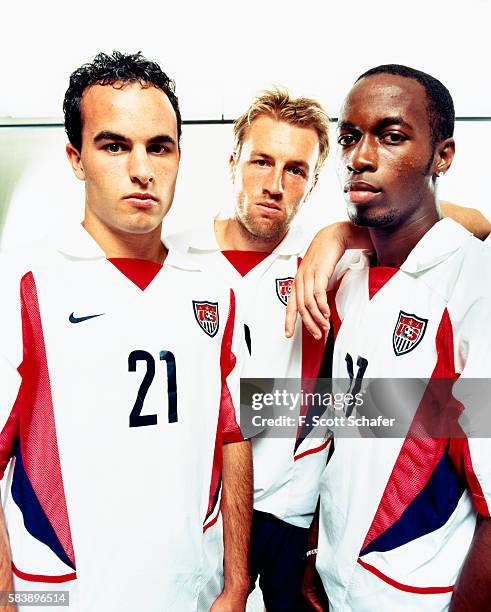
column 119, row 380
column 405, row 522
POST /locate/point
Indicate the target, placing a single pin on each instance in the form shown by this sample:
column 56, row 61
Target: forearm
column 347, row 235
column 472, row 591
column 237, row 514
column 471, row 218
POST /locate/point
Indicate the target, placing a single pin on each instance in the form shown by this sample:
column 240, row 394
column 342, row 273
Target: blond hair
column 278, row 104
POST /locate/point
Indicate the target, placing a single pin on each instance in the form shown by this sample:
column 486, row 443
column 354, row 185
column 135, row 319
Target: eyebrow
column 162, row 138
column 388, row 121
column 106, row 135
column 383, row 123
column 298, row 162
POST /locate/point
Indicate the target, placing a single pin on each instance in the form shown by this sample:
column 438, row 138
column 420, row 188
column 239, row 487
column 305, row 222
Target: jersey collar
column 442, row 240
column 75, row 241
column 438, row 244
column 184, row 261
column 203, row 239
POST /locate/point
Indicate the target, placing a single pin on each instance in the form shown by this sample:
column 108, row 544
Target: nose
column 362, row 156
column 273, row 185
column 140, row 166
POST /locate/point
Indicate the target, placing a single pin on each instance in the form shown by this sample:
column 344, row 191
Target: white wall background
column 221, row 54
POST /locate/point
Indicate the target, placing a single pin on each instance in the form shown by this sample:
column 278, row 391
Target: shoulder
column 200, row 236
column 15, row 263
column 353, row 260
column 473, row 282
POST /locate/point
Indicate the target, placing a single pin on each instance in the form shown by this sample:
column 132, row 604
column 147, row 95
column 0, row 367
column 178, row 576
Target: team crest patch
column 284, row 288
column 206, row 314
column 408, row 332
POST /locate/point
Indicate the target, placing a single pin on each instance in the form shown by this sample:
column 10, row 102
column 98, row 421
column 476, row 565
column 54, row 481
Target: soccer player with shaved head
column 405, row 521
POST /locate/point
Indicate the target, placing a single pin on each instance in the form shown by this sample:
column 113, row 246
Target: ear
column 232, row 162
column 444, row 155
column 314, row 183
column 75, row 160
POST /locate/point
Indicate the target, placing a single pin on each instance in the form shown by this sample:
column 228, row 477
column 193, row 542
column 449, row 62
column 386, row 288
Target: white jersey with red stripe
column 115, row 405
column 398, row 515
column 286, row 470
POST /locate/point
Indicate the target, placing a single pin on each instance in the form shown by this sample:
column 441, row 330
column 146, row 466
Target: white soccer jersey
column 286, row 470
column 115, row 404
column 398, row 515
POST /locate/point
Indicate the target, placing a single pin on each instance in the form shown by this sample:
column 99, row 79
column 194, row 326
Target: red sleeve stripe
column 311, row 451
column 405, row 587
column 335, row 318
column 43, row 578
column 230, row 427
column 9, row 435
column 227, row 358
column 212, row 522
column 38, row 442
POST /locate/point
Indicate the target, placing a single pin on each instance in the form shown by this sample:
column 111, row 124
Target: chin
column 269, row 232
column 140, row 228
column 367, row 217
column 262, row 229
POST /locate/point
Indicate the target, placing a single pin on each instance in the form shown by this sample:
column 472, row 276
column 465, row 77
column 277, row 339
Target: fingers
column 291, row 313
column 309, row 591
column 303, row 285
column 313, row 602
column 315, row 298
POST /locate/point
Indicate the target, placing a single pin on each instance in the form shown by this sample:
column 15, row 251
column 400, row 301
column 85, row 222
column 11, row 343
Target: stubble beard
column 260, row 230
column 360, row 218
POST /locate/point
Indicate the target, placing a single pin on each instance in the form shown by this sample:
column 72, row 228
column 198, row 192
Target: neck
column 118, row 244
column 233, row 236
column 393, row 244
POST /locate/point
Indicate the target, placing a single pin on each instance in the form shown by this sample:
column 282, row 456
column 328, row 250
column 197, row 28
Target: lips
column 360, row 192
column 269, row 206
column 141, row 200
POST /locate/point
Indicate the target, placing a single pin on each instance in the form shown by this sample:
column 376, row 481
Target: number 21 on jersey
column 141, row 420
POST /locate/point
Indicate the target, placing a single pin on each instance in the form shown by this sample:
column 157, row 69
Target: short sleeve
column 472, row 454
column 11, row 354
column 233, row 357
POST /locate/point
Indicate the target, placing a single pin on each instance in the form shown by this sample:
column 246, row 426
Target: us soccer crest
column 284, row 288
column 206, row 314
column 408, row 333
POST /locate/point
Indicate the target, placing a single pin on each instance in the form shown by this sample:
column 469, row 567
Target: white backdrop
column 221, row 54
column 37, row 186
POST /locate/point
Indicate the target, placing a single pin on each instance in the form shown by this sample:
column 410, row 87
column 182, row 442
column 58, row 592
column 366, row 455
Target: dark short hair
column 107, row 69
column 441, row 112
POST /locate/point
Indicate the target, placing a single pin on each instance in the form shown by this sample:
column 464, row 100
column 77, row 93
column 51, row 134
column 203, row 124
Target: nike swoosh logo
column 73, row 319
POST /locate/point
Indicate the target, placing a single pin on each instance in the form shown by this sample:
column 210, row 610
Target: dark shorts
column 278, row 558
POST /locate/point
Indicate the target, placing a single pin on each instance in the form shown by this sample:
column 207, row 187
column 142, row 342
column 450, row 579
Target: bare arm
column 471, row 218
column 237, row 517
column 308, row 296
column 472, row 592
